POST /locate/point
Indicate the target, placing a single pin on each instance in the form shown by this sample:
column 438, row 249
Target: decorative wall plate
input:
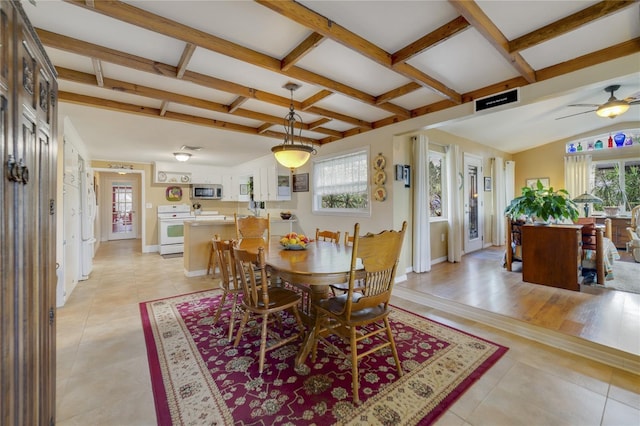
column 379, row 162
column 162, row 176
column 380, row 194
column 379, row 178
column 185, row 178
column 174, row 193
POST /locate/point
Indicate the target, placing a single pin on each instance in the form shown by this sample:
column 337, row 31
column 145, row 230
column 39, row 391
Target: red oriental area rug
column 199, row 378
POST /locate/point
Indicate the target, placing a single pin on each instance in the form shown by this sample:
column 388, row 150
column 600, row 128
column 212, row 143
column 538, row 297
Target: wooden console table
column 551, row 255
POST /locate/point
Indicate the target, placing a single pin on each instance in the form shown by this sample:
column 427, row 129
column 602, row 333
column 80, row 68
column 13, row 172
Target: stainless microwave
column 206, row 192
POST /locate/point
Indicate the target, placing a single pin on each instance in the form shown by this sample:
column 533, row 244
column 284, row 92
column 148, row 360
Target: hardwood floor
column 599, row 315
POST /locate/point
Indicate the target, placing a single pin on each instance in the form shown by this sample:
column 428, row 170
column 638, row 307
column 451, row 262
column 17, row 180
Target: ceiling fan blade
column 584, row 105
column 572, row 115
column 636, row 102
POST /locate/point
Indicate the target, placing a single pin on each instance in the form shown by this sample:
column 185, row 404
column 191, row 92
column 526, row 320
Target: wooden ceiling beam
column 97, row 70
column 237, row 103
column 398, row 91
column 427, row 82
column 142, row 64
column 187, row 53
column 301, row 50
column 315, row 124
column 430, row 40
column 604, row 55
column 314, row 99
column 161, row 25
column 568, row 23
column 481, row 22
column 328, row 28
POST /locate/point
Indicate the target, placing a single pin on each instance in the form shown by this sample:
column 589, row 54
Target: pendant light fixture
column 290, row 154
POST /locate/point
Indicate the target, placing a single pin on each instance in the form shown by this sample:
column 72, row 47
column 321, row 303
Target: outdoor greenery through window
column 617, row 189
column 436, row 187
column 340, row 184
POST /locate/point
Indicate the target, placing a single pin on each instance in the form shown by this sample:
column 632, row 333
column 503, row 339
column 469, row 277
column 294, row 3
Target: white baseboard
column 196, row 273
column 595, row 351
column 150, row 249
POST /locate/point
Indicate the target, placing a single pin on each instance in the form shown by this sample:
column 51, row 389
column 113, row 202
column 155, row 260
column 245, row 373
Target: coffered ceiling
column 140, row 79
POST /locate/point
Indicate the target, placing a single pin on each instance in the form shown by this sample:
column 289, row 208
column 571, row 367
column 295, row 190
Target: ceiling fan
column 610, row 109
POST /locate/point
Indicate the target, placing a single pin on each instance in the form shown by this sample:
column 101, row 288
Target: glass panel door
column 122, row 220
column 473, row 218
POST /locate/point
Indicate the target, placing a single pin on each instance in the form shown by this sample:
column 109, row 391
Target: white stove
column 171, row 227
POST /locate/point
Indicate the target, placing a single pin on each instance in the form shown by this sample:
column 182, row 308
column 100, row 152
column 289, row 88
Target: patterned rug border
column 163, row 412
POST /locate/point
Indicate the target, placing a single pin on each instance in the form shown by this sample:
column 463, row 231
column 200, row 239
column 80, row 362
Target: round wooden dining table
column 308, row 271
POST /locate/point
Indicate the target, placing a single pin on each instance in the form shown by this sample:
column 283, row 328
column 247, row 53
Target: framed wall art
column 487, row 184
column 301, row 182
column 532, row 182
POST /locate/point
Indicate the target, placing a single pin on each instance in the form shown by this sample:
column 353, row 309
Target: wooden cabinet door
column 28, row 268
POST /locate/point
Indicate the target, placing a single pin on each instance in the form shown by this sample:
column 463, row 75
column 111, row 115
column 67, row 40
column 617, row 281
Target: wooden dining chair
column 229, row 281
column 211, row 263
column 252, row 227
column 357, row 316
column 331, row 236
column 340, row 288
column 264, row 303
column 348, row 239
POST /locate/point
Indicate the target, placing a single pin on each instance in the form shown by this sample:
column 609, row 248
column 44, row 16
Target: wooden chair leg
column 243, row 323
column 393, row 347
column 211, row 264
column 216, row 317
column 263, row 341
column 232, row 315
column 354, row 366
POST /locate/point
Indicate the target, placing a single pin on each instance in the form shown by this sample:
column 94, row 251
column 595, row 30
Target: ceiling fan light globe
column 612, row 109
column 182, row 156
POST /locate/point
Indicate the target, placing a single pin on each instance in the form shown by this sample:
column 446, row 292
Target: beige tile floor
column 103, row 375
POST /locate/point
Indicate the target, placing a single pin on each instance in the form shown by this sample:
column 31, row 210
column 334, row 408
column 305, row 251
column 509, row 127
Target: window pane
column 435, row 184
column 632, row 182
column 607, row 184
column 341, row 183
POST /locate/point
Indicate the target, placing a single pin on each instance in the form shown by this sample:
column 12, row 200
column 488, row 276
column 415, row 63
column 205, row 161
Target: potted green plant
column 542, row 204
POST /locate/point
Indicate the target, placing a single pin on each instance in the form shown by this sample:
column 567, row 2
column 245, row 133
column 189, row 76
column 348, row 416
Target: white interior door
column 122, row 195
column 473, row 204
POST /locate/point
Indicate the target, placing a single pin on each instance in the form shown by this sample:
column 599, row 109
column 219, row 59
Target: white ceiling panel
column 341, row 64
column 605, row 32
column 476, row 68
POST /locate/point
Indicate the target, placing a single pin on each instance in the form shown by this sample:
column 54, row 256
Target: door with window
column 473, row 204
column 122, row 202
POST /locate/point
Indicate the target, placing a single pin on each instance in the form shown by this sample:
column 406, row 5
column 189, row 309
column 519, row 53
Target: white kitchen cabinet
column 229, row 188
column 271, row 183
column 242, row 186
column 206, row 175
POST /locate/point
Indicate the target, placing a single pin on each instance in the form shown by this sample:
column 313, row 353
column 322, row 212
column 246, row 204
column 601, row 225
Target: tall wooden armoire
column 28, row 97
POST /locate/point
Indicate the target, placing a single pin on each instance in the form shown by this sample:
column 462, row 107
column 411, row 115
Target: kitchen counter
column 198, row 234
column 197, row 242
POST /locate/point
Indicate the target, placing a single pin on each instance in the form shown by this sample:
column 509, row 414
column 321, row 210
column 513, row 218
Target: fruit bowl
column 293, row 241
column 285, row 216
column 293, row 247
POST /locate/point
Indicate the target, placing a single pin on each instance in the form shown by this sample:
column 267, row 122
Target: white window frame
column 315, row 199
column 443, row 185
